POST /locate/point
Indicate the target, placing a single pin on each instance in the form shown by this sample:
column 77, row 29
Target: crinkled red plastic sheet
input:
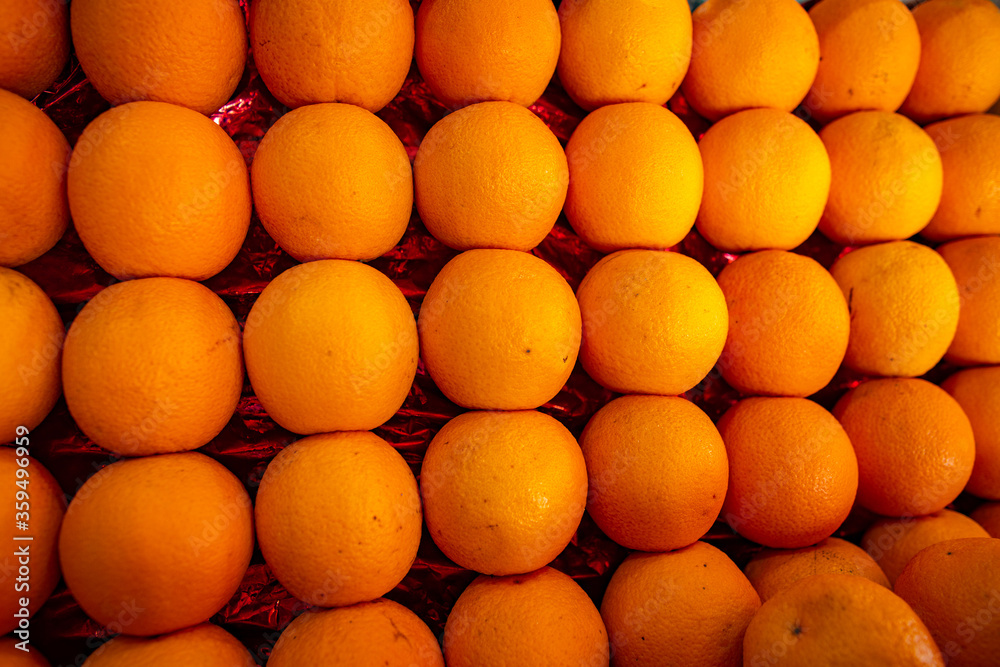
column 262, row 607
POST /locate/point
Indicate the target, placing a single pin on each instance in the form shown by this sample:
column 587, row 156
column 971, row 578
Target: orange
column 685, row 607
column 914, row 445
column 792, row 472
column 34, row 212
column 635, row 178
column 788, row 324
column 774, row 570
column 477, row 50
column 338, row 518
column 369, row 634
column 31, row 342
column 904, row 307
column 12, row 656
column 746, row 55
column 153, row 366
column 185, row 52
column 977, row 390
column 499, row 330
column 893, row 542
column 352, row 51
column 838, row 619
column 959, row 69
column 987, row 515
column 632, row 51
column 158, row 190
column 653, row 322
column 886, row 176
column 975, row 262
column 36, row 44
column 155, row 544
column 540, row 619
column 41, row 507
column 657, row 471
column 870, row 48
column 954, row 587
column 331, row 346
column 503, row 491
column 767, row 177
column 491, row 175
column 332, row 181
column 970, row 199
column 201, row 646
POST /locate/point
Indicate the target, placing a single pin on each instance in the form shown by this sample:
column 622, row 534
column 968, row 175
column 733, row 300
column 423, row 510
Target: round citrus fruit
column 478, row 50
column 773, row 570
column 332, row 181
column 959, row 70
column 36, row 44
column 352, row 51
column 914, row 445
column 788, row 324
column 368, row 634
column 34, row 212
column 954, row 587
column 977, row 390
column 34, row 506
column 750, row 54
column 653, row 322
column 540, row 619
column 870, row 49
column 185, row 52
column 503, row 492
column 153, row 366
column 987, row 515
column 893, row 542
column 491, row 175
column 767, row 177
column 657, row 471
column 886, row 177
column 970, row 198
column 904, row 307
column 632, row 51
column 31, row 342
column 792, row 472
column 158, row 190
column 12, row 655
column 635, row 178
column 331, row 346
column 338, row 518
column 684, row 607
column 499, row 330
column 838, row 619
column 203, row 645
column 155, row 544
column 975, row 263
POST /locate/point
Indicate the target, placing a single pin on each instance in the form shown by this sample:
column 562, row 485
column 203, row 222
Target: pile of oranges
column 749, row 125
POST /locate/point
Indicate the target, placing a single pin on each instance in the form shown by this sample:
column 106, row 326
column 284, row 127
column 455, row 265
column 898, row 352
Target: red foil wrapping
column 261, row 608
